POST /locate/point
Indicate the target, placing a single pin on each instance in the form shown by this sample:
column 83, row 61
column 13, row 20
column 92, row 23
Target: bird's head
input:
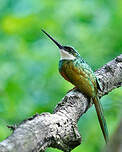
column 66, row 52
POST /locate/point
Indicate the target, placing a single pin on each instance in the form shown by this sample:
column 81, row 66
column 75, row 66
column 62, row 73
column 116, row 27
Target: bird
column 76, row 70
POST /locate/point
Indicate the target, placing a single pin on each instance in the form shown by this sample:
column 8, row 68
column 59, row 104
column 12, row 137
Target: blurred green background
column 29, row 78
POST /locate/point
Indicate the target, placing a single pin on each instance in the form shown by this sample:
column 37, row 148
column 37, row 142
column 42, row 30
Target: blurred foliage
column 29, row 60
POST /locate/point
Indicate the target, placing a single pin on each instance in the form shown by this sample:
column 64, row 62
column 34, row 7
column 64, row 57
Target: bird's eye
column 69, row 49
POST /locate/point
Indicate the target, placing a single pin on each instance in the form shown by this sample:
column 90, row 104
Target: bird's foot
column 72, row 89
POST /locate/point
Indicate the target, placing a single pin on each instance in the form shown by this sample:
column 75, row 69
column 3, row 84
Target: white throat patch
column 66, row 55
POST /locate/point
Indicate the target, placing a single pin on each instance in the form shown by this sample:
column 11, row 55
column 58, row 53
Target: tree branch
column 59, row 129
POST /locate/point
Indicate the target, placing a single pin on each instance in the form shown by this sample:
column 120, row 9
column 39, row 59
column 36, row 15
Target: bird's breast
column 78, row 76
column 70, row 70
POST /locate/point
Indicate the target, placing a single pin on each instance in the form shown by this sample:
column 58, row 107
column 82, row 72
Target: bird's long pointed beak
column 59, row 45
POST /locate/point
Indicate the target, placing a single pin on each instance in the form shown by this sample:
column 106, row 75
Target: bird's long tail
column 101, row 118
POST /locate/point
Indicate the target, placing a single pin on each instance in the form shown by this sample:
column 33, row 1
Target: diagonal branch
column 59, row 129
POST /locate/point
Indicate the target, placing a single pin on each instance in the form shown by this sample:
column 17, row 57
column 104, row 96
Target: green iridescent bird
column 75, row 70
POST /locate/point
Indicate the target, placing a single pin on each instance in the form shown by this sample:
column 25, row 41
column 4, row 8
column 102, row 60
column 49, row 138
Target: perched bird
column 75, row 70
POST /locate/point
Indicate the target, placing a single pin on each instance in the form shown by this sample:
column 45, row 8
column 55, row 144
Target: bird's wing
column 90, row 75
column 86, row 71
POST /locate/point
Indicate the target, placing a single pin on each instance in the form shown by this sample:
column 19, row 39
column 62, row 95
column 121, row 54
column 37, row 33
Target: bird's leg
column 72, row 89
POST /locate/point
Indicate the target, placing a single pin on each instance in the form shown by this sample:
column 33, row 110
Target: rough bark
column 59, row 129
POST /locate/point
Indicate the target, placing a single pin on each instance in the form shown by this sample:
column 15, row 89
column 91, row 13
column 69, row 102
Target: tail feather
column 101, row 118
